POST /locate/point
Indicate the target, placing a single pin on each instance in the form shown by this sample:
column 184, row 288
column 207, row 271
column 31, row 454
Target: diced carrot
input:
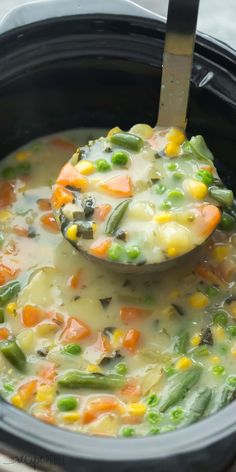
column 33, row 315
column 7, row 194
column 44, row 204
column 207, row 219
column 102, row 211
column 208, row 274
column 98, row 407
column 4, row 333
column 27, row 391
column 61, row 196
column 133, row 313
column 70, row 176
column 49, row 223
column 131, row 392
column 75, row 280
column 120, row 186
column 75, row 330
column 22, row 231
column 63, row 144
column 7, row 274
column 47, row 372
column 131, row 340
column 100, row 248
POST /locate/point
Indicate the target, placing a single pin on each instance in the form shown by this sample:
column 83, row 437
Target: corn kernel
column 46, row 394
column 138, row 409
column 71, row 416
column 23, row 155
column 198, row 300
column 195, row 340
column 163, row 217
column 218, row 333
column 183, row 363
column 117, row 337
column 11, row 308
column 233, row 351
column 71, row 233
column 93, row 369
column 176, row 135
column 215, row 359
column 220, row 252
column 172, row 150
column 195, row 188
column 85, row 167
column 112, row 131
column 172, row 252
column 17, row 401
column 5, row 215
column 142, row 130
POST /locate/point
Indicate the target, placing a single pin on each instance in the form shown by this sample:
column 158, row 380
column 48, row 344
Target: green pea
column 154, row 417
column 23, row 168
column 177, row 415
column 121, row 368
column 176, row 195
column 159, row 188
column 67, row 403
column 178, row 175
column 169, row 371
column 9, row 173
column 205, row 176
column 115, row 252
column 227, row 222
column 220, row 318
column 8, row 387
column 149, row 300
column 1, row 239
column 103, row 165
column 166, row 205
column 154, row 431
column 172, row 166
column 128, row 432
column 119, row 158
column 133, row 252
column 153, row 400
column 211, row 291
column 218, row 369
column 232, row 380
column 232, row 330
column 72, row 349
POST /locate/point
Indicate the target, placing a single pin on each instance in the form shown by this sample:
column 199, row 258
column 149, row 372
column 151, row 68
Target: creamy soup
column 152, row 179
column 98, row 352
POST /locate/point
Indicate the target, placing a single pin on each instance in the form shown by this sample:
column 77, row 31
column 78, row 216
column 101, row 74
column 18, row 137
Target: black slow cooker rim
column 195, row 437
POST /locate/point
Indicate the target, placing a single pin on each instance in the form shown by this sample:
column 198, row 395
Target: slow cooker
column 90, row 63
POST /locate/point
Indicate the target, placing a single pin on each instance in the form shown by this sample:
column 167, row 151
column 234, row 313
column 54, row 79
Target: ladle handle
column 177, row 62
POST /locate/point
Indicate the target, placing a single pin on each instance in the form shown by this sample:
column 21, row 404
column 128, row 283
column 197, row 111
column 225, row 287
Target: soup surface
column 148, row 178
column 98, row 352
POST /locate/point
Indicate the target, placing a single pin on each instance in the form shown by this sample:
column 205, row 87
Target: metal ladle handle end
column 177, row 62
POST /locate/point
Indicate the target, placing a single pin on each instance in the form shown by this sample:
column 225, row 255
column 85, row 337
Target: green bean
column 199, row 405
column 226, row 394
column 180, row 386
column 199, row 146
column 181, row 342
column 13, row 353
column 1, row 315
column 9, row 291
column 80, row 379
column 127, row 140
column 115, row 216
column 222, row 195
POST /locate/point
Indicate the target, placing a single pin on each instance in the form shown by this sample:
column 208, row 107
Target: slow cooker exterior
column 103, row 69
